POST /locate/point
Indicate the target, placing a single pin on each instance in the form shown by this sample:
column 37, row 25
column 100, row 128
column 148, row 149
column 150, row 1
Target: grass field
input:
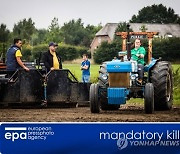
column 75, row 69
column 176, row 93
column 176, row 66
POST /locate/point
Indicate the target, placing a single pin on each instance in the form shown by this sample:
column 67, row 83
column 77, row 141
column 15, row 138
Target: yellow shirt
column 18, row 53
column 55, row 60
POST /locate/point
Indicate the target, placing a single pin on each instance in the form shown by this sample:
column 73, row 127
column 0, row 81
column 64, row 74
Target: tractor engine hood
column 118, row 66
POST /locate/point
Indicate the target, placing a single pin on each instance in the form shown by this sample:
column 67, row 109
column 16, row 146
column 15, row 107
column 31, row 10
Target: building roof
column 108, row 29
column 163, row 29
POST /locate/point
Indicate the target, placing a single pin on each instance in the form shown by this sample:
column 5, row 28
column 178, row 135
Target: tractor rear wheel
column 94, row 98
column 161, row 78
column 103, row 75
column 149, row 98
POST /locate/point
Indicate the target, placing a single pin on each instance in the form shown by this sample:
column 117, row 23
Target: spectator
column 85, row 67
column 14, row 55
column 51, row 58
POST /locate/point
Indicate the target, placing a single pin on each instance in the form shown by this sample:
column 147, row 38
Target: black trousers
column 140, row 71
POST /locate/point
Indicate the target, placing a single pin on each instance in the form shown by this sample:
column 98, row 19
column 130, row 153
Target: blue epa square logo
column 14, row 133
column 27, row 133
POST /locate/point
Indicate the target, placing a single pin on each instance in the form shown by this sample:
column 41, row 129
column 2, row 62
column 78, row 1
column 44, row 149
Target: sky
column 90, row 11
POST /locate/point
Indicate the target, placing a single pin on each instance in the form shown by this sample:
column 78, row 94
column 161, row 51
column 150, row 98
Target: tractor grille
column 119, row 79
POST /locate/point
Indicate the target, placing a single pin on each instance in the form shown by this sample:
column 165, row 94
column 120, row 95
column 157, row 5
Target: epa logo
column 15, row 133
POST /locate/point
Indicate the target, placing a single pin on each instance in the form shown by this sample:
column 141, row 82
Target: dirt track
column 127, row 113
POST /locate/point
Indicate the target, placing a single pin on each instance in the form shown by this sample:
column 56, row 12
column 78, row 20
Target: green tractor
column 118, row 81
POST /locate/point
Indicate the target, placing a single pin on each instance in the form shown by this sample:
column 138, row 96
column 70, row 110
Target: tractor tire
column 162, row 80
column 103, row 73
column 94, row 98
column 149, row 98
column 103, row 82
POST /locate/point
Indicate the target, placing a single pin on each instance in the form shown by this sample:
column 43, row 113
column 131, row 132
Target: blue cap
column 52, row 44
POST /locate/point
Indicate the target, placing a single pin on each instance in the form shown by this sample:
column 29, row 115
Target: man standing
column 85, row 66
column 14, row 55
column 51, row 58
column 138, row 54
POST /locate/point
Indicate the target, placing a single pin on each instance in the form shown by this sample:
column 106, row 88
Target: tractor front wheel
column 94, row 98
column 149, row 98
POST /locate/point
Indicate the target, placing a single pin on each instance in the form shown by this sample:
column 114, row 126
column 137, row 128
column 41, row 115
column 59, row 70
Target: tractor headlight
column 105, row 77
column 133, row 77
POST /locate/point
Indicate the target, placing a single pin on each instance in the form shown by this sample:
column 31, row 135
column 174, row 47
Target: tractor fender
column 149, row 67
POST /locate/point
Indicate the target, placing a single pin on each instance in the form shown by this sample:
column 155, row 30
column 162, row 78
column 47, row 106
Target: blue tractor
column 118, row 82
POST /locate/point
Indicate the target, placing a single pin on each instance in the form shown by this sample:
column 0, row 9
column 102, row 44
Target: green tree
column 91, row 30
column 24, row 29
column 167, row 49
column 156, row 14
column 122, row 27
column 54, row 31
column 4, row 33
column 143, row 28
column 40, row 37
column 107, row 51
column 4, row 36
column 73, row 32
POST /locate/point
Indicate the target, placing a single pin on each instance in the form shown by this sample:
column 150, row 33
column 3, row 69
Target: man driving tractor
column 138, row 54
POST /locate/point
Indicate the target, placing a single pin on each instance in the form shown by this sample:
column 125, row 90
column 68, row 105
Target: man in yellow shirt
column 13, row 56
column 51, row 58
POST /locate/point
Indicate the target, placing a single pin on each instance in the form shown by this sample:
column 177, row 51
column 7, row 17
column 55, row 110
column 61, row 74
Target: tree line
column 74, row 36
column 166, row 48
column 72, row 33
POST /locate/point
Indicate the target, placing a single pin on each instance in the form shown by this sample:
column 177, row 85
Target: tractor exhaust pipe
column 128, row 43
